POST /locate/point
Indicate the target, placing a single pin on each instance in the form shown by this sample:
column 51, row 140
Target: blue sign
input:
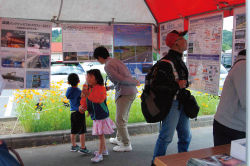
column 120, row 51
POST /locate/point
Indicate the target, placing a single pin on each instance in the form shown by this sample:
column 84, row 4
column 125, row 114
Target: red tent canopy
column 166, row 10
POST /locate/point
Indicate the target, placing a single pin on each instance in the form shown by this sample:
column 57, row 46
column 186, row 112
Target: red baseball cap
column 173, row 36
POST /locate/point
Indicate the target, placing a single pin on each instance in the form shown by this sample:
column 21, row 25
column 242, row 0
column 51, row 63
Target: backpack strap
column 148, row 76
column 235, row 63
column 176, row 75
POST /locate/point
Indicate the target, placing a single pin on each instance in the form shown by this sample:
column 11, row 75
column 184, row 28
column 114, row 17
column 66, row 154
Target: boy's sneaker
column 123, row 148
column 98, row 157
column 84, row 151
column 115, row 141
column 104, row 153
column 74, row 148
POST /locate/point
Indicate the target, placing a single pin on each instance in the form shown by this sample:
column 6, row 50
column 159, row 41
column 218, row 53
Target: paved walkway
column 143, row 147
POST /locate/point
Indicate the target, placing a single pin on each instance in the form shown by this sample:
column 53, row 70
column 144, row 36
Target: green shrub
column 208, row 103
column 47, row 110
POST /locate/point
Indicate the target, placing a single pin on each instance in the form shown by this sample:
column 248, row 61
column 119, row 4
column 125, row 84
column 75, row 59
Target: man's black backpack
column 152, row 109
column 155, row 110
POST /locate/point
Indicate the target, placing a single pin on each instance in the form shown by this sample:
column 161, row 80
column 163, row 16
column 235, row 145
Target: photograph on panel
column 140, row 78
column 241, row 21
column 13, row 59
column 13, row 77
column 134, row 68
column 38, row 40
column 108, row 47
column 133, row 43
column 37, row 79
column 12, row 38
column 190, row 47
column 240, row 34
column 69, row 56
column 35, row 60
column 83, row 56
column 239, row 46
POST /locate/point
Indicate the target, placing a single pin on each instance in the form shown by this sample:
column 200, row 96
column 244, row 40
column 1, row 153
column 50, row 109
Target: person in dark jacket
column 94, row 100
column 167, row 86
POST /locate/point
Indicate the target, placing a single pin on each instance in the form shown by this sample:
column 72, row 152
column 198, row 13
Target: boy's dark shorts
column 78, row 124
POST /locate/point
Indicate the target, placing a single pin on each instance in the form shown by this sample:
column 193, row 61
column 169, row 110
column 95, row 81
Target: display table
column 180, row 159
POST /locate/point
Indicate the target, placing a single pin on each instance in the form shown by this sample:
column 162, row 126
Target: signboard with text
column 25, row 53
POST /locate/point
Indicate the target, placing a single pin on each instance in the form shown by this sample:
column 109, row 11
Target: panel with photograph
column 69, row 56
column 133, row 43
column 239, row 46
column 129, row 54
column 13, row 59
column 241, row 21
column 12, row 38
column 84, row 56
column 38, row 40
column 241, row 34
column 37, row 79
column 108, row 47
column 140, row 78
column 14, row 78
column 38, row 61
column 134, row 68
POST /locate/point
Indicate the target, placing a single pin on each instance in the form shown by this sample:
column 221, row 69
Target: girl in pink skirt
column 94, row 100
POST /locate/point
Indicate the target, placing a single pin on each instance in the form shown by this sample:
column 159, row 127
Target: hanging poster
column 239, row 31
column 204, row 51
column 25, row 47
column 165, row 29
column 80, row 41
column 133, row 46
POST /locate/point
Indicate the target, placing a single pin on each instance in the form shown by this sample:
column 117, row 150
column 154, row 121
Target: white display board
column 80, row 40
column 239, row 31
column 25, row 53
column 165, row 29
column 204, row 52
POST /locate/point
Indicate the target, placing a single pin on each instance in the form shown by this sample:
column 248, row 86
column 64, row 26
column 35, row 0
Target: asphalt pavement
column 141, row 155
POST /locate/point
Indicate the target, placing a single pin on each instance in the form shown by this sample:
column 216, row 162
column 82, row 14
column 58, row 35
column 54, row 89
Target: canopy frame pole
column 151, row 11
column 247, row 84
column 59, row 14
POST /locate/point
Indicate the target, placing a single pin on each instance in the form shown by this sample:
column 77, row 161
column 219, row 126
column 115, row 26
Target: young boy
column 78, row 124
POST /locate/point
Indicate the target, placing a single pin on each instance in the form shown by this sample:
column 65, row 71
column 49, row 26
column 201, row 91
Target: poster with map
column 204, row 52
column 80, row 41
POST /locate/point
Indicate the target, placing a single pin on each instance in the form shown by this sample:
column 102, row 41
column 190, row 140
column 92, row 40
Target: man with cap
column 164, row 82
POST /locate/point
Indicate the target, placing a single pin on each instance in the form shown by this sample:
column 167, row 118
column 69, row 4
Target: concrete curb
column 63, row 136
column 6, row 119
